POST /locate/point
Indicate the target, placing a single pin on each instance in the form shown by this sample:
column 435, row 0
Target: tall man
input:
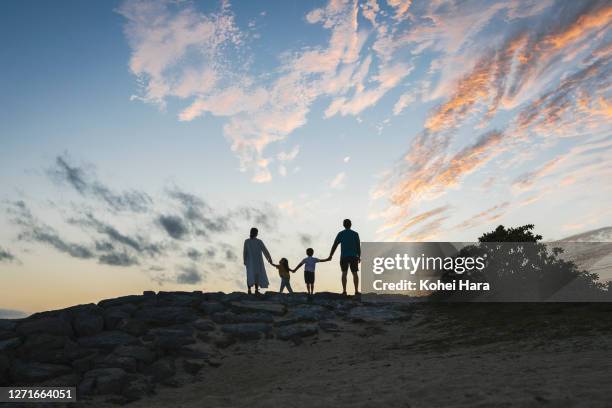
column 350, row 254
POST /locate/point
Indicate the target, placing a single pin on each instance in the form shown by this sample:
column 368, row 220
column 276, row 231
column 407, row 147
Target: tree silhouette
column 518, row 266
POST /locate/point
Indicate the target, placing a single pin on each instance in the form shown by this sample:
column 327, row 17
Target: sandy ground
column 433, row 360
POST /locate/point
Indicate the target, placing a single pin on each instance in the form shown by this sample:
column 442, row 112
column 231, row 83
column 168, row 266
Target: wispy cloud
column 6, row 255
column 338, row 181
column 86, row 184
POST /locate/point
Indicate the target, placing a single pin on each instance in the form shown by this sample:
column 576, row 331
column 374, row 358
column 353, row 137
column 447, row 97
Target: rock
column 305, row 313
column 193, row 366
column 302, row 330
column 172, row 339
column 130, row 299
column 222, row 340
column 7, row 325
column 166, row 315
column 140, row 353
column 48, row 325
column 204, row 325
column 9, row 344
column 329, row 327
column 24, row 373
column 247, row 331
column 210, row 307
column 277, row 309
column 374, row 314
column 137, row 388
column 230, row 317
column 107, row 340
column 87, row 324
column 107, row 380
column 83, row 364
column 162, row 369
column 113, row 316
column 7, row 334
column 5, row 365
column 213, row 362
column 148, row 293
column 68, row 380
column 126, row 363
column 86, row 387
column 133, row 326
column 178, row 299
column 42, row 342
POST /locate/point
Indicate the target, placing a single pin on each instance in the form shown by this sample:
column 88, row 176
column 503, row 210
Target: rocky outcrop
column 126, row 347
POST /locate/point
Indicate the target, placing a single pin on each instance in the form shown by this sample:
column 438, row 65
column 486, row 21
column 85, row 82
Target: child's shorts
column 308, row 277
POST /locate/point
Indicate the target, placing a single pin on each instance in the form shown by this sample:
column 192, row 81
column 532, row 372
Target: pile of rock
column 126, row 346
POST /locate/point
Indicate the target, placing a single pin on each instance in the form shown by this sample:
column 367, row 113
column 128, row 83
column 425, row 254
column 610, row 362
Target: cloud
column 548, row 67
column 346, row 159
column 488, row 215
column 194, row 254
column 173, row 225
column 6, row 255
column 338, row 181
column 86, row 184
column 305, row 239
column 290, row 155
column 190, row 275
column 34, row 230
column 118, row 259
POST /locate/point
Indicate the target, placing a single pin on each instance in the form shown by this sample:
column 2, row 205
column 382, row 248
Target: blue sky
column 418, row 120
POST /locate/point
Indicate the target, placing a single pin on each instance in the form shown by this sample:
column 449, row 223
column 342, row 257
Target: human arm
column 297, row 267
column 325, row 259
column 333, row 248
column 244, row 253
column 358, row 247
column 266, row 253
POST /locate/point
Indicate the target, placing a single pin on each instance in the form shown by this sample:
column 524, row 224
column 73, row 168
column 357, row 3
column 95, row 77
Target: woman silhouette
column 254, row 248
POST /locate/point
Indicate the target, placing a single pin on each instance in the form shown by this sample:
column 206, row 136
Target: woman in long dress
column 253, row 253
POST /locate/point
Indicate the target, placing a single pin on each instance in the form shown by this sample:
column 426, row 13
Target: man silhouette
column 350, row 254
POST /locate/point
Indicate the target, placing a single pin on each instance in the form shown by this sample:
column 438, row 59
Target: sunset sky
column 140, row 140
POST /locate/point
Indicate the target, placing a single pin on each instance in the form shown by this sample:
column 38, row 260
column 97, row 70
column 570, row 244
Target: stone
column 277, row 309
column 7, row 334
column 107, row 380
column 137, row 388
column 67, row 380
column 172, row 338
column 193, row 366
column 42, row 342
column 301, row 330
column 162, row 369
column 83, row 364
column 204, row 325
column 24, row 373
column 178, row 299
column 222, row 340
column 210, row 307
column 329, row 327
column 87, row 324
column 247, row 331
column 48, row 325
column 9, row 344
column 113, row 316
column 166, row 315
column 231, row 317
column 5, row 365
column 107, row 340
column 131, row 299
column 126, row 363
column 375, row 314
column 140, row 353
column 7, row 325
column 133, row 326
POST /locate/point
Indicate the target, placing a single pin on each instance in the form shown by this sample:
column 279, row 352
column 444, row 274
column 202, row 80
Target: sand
column 439, row 358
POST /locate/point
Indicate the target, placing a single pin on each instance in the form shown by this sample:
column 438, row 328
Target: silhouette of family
column 255, row 251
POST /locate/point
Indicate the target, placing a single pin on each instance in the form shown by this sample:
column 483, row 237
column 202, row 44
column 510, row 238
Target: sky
column 141, row 140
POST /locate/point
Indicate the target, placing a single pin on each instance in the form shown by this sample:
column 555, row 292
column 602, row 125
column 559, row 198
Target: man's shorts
column 309, row 277
column 351, row 261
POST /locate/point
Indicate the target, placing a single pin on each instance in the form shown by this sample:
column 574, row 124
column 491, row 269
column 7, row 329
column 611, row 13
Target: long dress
column 254, row 250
